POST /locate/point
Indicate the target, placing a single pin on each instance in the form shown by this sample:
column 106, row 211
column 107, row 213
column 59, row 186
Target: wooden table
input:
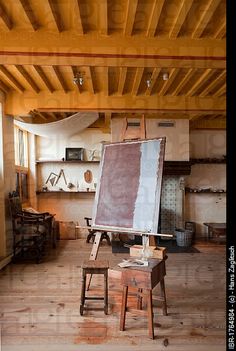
column 217, row 230
column 144, row 279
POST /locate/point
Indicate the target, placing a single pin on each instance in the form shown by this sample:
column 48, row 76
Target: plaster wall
column 205, row 207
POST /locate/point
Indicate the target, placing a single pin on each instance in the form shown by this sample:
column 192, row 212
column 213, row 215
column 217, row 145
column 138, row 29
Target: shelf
column 60, row 161
column 207, row 160
column 65, row 192
column 195, row 191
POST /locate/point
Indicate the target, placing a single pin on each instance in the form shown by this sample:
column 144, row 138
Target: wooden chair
column 30, row 230
column 92, row 232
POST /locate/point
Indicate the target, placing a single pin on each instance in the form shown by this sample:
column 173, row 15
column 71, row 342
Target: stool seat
column 94, row 267
column 95, row 264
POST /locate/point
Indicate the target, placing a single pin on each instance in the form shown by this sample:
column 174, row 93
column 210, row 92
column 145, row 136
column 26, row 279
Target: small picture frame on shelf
column 74, row 154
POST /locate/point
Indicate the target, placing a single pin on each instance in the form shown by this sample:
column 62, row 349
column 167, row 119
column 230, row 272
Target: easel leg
column 94, row 253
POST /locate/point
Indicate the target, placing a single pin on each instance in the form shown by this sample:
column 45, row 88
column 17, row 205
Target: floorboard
column 39, row 304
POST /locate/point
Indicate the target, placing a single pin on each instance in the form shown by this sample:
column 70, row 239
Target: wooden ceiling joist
column 77, row 14
column 213, row 84
column 44, row 78
column 38, row 113
column 220, row 91
column 30, row 14
column 137, row 80
column 89, row 79
column 5, row 18
column 56, row 15
column 4, row 87
column 206, row 74
column 106, row 81
column 154, row 17
column 184, row 8
column 75, row 73
column 173, row 73
column 183, row 82
column 11, row 79
column 130, row 16
column 28, row 78
column 205, row 18
column 103, row 17
column 122, row 78
column 60, row 78
column 153, row 79
column 221, row 31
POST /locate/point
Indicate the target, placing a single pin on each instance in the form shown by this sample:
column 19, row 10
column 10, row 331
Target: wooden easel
column 130, row 131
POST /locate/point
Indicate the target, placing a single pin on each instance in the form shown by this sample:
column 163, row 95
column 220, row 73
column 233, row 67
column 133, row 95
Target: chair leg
column 163, row 295
column 150, row 314
column 82, row 299
column 123, row 307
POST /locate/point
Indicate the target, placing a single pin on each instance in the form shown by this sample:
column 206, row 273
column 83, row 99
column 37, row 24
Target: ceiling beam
column 173, row 73
column 130, row 16
column 199, row 82
column 137, row 80
column 28, row 78
column 5, row 18
column 60, row 78
column 154, row 17
column 122, row 78
column 183, row 82
column 44, row 78
column 205, row 18
column 30, row 14
column 52, row 115
column 11, row 79
column 74, row 101
column 184, row 8
column 56, row 14
column 213, row 84
column 103, row 17
column 78, row 18
column 153, row 79
column 126, row 60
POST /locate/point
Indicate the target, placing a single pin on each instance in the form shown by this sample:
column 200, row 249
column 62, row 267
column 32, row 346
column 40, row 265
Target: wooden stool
column 94, row 267
column 144, row 279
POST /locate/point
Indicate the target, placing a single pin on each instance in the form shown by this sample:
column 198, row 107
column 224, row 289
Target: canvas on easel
column 129, row 188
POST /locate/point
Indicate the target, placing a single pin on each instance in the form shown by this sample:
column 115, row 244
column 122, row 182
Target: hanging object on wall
column 88, row 176
column 61, row 173
column 51, row 179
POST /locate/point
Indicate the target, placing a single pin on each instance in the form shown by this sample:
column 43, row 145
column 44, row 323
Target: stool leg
column 106, row 292
column 140, row 299
column 82, row 299
column 163, row 295
column 150, row 314
column 123, row 307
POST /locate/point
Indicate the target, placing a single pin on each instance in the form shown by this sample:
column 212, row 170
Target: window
column 21, row 162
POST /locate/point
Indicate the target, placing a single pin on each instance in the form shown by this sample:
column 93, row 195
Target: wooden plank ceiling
column 111, row 56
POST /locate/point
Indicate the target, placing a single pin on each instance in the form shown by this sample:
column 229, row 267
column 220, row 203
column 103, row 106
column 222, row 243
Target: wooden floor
column 39, row 304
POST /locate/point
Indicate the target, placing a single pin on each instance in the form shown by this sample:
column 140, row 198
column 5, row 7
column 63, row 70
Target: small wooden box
column 157, row 251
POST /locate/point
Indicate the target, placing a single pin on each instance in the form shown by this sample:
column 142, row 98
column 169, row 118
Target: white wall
column 203, row 207
column 177, row 137
column 66, row 206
